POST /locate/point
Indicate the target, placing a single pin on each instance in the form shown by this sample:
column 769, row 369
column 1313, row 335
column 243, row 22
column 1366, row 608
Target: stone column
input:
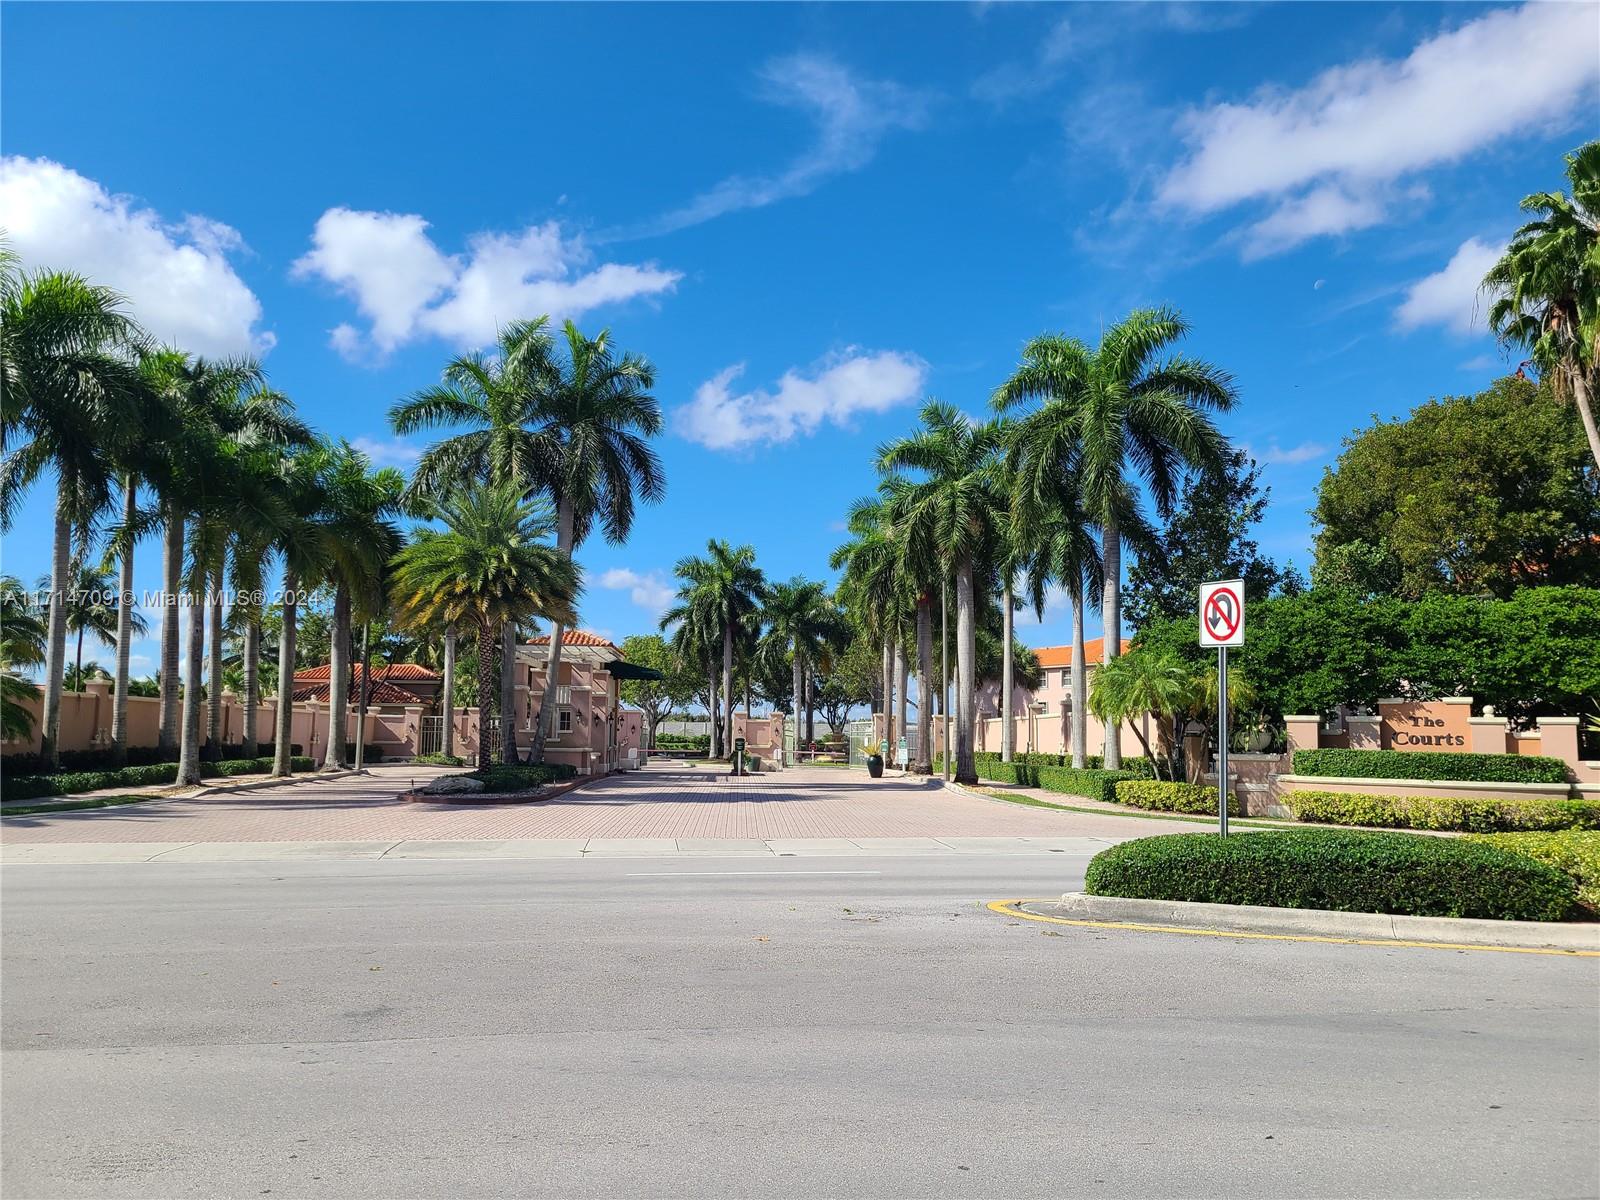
column 1366, row 732
column 413, row 739
column 1488, row 733
column 1559, row 739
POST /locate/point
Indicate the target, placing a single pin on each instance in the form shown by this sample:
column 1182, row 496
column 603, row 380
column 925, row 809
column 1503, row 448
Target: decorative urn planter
column 875, row 765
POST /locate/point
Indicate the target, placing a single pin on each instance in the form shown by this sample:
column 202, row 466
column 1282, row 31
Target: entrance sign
column 1222, row 625
column 902, row 754
column 1222, row 613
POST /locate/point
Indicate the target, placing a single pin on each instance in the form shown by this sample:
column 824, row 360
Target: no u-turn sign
column 1222, row 613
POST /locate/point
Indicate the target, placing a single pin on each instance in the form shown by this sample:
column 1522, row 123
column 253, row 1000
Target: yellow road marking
column 1012, row 908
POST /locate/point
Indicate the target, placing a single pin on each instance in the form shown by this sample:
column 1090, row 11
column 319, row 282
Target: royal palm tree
column 1546, row 287
column 94, row 606
column 725, row 588
column 486, row 568
column 696, row 637
column 1111, row 414
column 952, row 506
column 23, row 641
column 803, row 625
column 67, row 391
column 875, row 588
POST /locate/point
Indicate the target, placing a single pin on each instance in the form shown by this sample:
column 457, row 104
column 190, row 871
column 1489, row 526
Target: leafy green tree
column 1473, row 494
column 1111, row 414
column 1207, row 536
column 851, row 680
column 1541, row 654
column 487, row 567
column 1547, row 288
column 657, row 697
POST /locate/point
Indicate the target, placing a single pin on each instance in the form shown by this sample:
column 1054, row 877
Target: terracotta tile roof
column 380, row 692
column 1061, row 656
column 576, row 637
column 392, row 671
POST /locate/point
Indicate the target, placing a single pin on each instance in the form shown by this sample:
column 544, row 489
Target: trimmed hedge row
column 1489, row 814
column 104, row 759
column 1427, row 764
column 498, row 780
column 67, row 783
column 1576, row 853
column 1160, row 796
column 1095, row 784
column 1342, row 870
column 440, row 760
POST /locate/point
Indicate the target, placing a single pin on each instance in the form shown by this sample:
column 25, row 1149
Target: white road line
column 774, row 871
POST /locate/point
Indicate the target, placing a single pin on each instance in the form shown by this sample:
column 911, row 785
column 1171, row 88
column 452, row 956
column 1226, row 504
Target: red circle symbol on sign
column 1222, row 613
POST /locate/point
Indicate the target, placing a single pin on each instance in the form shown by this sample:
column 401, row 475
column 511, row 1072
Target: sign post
column 1222, row 625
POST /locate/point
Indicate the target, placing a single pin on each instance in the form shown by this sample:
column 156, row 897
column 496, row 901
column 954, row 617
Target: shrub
column 1487, row 814
column 1095, row 784
column 1427, row 764
column 1161, row 796
column 1002, row 772
column 1343, row 870
column 440, row 760
column 498, row 780
column 1576, row 853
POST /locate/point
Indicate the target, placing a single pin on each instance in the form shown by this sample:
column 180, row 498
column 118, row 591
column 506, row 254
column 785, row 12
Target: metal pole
column 1222, row 740
column 944, row 674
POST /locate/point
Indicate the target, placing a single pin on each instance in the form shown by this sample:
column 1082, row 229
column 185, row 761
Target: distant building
column 1054, row 696
column 395, row 686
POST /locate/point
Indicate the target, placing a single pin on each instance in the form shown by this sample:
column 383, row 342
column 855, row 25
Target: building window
column 1066, row 677
column 564, row 721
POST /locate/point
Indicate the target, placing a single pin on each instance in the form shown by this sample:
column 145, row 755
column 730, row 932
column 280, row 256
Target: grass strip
column 70, row 805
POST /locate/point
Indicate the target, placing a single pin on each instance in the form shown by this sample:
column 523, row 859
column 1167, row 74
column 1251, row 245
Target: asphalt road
column 751, row 1027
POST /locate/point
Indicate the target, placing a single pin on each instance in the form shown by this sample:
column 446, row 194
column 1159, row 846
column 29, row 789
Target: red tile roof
column 576, row 637
column 1061, row 656
column 379, row 693
column 313, row 683
column 392, row 671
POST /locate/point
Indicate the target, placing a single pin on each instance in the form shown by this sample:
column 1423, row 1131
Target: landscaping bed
column 1432, row 766
column 503, row 784
column 67, row 783
column 1489, row 814
column 1340, row 871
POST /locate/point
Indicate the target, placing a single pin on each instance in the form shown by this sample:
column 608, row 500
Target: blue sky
column 808, row 217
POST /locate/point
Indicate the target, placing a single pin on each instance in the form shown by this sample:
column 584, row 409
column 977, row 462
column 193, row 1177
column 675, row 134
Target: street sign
column 902, row 754
column 1222, row 613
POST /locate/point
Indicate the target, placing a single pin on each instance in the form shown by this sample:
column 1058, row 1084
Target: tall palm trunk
column 55, row 667
column 922, row 764
column 1008, row 733
column 1111, row 609
column 284, row 731
column 1080, row 685
column 1584, row 403
column 213, row 746
column 811, row 707
column 194, row 659
column 888, row 688
column 712, row 709
column 799, row 695
column 449, row 690
column 488, row 680
column 552, row 669
column 119, row 701
column 171, row 585
column 508, row 692
column 249, row 717
column 966, row 655
column 338, row 679
column 901, row 706
column 727, row 686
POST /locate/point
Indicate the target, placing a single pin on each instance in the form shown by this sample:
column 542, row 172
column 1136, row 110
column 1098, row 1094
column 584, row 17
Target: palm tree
column 66, row 389
column 696, row 636
column 1547, row 287
column 1111, row 414
column 803, row 625
column 572, row 423
column 357, row 504
column 1128, row 686
column 302, row 543
column 485, row 569
column 93, row 606
column 725, row 589
column 875, row 587
column 23, row 639
column 951, row 508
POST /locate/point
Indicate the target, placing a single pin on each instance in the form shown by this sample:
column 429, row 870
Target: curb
column 1179, row 916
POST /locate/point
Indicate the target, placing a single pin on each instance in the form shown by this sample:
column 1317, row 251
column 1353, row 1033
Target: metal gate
column 430, row 737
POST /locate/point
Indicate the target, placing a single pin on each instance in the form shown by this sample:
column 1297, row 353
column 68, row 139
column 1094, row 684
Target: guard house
column 593, row 732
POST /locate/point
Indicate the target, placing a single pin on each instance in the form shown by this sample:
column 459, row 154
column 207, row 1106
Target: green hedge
column 499, row 780
column 1488, row 814
column 1343, row 870
column 1161, row 796
column 1095, row 784
column 1576, row 853
column 68, row 783
column 440, row 760
column 1429, row 764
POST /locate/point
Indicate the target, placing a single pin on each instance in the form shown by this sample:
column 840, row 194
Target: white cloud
column 1276, row 455
column 1057, row 604
column 388, row 452
column 1450, row 297
column 1329, row 152
column 407, row 288
column 852, row 115
column 176, row 277
column 650, row 591
column 834, row 390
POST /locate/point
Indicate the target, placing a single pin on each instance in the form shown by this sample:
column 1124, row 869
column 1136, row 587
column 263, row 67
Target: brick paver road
column 661, row 802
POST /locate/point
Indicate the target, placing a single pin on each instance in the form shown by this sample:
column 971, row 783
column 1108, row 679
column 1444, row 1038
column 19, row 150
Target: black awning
column 627, row 670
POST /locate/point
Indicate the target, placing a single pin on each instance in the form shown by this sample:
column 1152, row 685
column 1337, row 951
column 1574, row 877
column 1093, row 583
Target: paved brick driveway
column 661, row 802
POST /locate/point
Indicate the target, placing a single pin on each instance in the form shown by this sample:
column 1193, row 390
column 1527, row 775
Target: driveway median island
column 504, row 784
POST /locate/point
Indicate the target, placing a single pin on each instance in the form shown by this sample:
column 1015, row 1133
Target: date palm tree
column 951, row 505
column 1547, row 287
column 1123, row 410
column 569, row 418
column 66, row 387
column 487, row 567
